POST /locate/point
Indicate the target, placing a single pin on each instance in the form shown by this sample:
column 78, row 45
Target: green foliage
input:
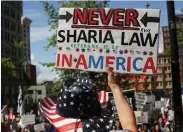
column 52, row 13
column 51, row 42
column 8, row 67
column 180, row 35
column 18, row 44
column 10, row 64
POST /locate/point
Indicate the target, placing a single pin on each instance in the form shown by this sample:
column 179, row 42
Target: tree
column 179, row 36
column 10, row 64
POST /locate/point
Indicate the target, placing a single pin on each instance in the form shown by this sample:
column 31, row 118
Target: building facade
column 25, row 24
column 165, row 31
column 11, row 12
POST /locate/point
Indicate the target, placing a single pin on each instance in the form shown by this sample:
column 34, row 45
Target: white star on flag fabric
column 47, row 106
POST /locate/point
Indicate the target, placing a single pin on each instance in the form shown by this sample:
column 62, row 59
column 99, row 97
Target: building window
column 13, row 13
column 18, row 28
column 159, row 61
column 18, row 16
column 13, row 26
column 169, row 68
column 6, row 10
column 170, row 75
column 6, row 35
column 30, row 92
column 6, row 50
column 161, row 83
column 2, row 35
column 169, row 60
column 39, row 92
column 7, row 23
column 164, row 60
column 2, row 21
column 165, row 68
column 160, row 75
column 159, row 69
column 19, row 39
column 13, row 38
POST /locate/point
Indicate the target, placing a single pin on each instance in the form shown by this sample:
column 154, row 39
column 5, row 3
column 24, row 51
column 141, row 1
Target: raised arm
column 125, row 112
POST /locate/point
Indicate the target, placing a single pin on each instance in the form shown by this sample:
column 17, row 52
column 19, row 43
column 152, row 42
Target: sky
column 40, row 33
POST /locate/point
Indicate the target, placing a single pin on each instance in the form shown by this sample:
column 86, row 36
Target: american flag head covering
column 79, row 107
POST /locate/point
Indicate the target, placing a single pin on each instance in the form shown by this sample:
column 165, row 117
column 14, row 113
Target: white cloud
column 43, row 73
column 40, row 33
column 178, row 11
column 32, row 57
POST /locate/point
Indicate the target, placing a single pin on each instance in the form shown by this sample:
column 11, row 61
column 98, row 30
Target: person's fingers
column 109, row 71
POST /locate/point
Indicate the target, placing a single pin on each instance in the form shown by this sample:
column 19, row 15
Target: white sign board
column 143, row 118
column 124, row 39
column 147, row 107
column 27, row 119
column 39, row 127
column 151, row 99
column 170, row 115
column 159, row 104
column 140, row 100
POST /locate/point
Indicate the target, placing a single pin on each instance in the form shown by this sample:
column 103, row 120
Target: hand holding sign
column 113, row 79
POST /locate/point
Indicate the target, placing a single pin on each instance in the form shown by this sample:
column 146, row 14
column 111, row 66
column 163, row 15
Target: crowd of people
column 162, row 124
column 13, row 125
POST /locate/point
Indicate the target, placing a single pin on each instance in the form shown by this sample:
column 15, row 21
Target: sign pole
column 175, row 68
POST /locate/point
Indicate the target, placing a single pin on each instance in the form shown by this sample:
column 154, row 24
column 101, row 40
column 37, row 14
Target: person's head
column 144, row 127
column 155, row 121
column 160, row 121
column 118, row 124
column 113, row 128
column 152, row 128
column 25, row 130
column 80, row 101
column 140, row 129
column 157, row 127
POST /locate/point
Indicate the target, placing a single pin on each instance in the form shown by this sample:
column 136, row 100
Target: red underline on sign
column 104, row 27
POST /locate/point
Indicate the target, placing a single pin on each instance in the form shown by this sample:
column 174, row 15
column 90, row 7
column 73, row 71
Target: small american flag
column 47, row 106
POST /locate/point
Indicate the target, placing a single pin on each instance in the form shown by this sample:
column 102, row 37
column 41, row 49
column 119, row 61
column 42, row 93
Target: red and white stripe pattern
column 47, row 106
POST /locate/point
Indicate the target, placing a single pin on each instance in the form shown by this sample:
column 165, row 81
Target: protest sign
column 124, row 39
column 151, row 99
column 141, row 117
column 159, row 104
column 147, row 107
column 39, row 127
column 27, row 119
column 4, row 110
column 170, row 115
column 140, row 100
